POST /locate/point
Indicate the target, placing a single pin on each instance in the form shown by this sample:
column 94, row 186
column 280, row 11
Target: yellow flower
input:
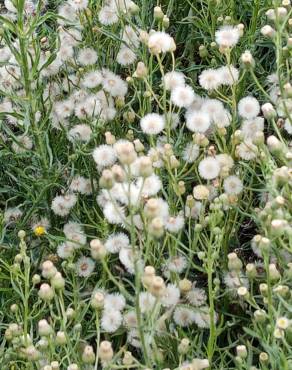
column 39, row 231
column 282, row 323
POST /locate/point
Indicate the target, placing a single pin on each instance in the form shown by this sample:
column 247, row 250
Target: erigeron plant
column 133, row 254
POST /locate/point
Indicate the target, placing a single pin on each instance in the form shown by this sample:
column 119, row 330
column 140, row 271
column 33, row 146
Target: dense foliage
column 145, row 184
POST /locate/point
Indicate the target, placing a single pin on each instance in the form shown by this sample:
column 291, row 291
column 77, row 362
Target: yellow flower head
column 39, row 231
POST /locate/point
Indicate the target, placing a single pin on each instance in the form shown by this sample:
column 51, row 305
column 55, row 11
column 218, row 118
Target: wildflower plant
column 145, row 185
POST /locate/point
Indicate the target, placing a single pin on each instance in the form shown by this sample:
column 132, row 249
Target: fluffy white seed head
column 198, row 121
column 229, row 75
column 248, row 107
column 104, row 156
column 209, row 168
column 87, row 57
column 161, row 42
column 173, row 79
column 210, row 79
column 152, row 124
column 113, row 84
column 85, row 266
column 126, row 56
column 108, row 15
column 227, row 36
column 78, row 4
column 114, row 300
column 115, row 242
column 191, row 152
column 182, row 96
column 233, row 185
column 111, row 320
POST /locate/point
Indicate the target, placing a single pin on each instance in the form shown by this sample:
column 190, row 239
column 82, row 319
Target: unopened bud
column 242, row 292
column 128, row 359
column 44, row 328
column 141, row 70
column 106, row 180
column 184, row 346
column 281, row 12
column 120, row 102
column 109, row 138
column 32, row 353
column 278, row 227
column 264, row 244
column 149, row 274
column 185, row 286
column 240, row 27
column 156, row 227
column 288, row 86
column 61, row 338
column 251, row 270
column 55, row 365
column 48, row 269
column 73, row 367
column 268, row 111
column 165, row 22
column 181, row 187
column 201, row 140
column 152, row 208
column 268, row 31
column 145, row 167
column 203, row 51
column 18, row 258
column 158, row 13
column 21, row 234
column 46, row 293
column 144, row 37
column 173, row 162
column 36, row 279
column 14, row 308
column 133, row 7
column 274, row 144
column 264, row 357
column 270, row 13
column 70, row 313
column 273, row 272
column 278, row 333
column 264, row 289
column 247, row 59
column 281, row 175
column 260, row 316
column 126, row 152
column 241, row 351
column 259, row 138
column 200, row 364
column 282, row 290
column 139, row 147
column 97, row 249
column 130, row 80
column 105, row 351
column 97, row 300
column 157, row 286
column 234, row 262
column 57, row 281
column 118, row 173
column 88, row 356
